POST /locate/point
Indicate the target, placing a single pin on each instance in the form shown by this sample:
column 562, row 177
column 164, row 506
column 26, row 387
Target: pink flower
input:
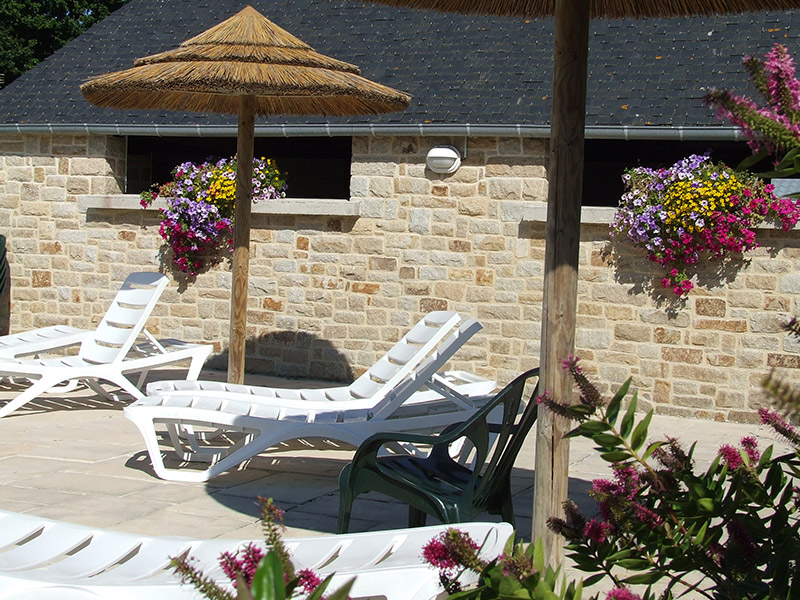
column 437, row 555
column 731, row 456
column 245, row 561
column 597, row 531
column 750, row 446
column 622, row 594
column 308, row 580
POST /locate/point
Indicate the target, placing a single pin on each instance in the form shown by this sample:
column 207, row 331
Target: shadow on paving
column 304, row 482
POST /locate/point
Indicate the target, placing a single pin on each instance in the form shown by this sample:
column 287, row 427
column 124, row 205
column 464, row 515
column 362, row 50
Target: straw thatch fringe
column 600, row 8
column 163, row 85
column 250, row 54
column 279, row 105
column 245, row 55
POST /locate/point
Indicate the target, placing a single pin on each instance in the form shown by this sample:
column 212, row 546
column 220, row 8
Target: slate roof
column 459, row 69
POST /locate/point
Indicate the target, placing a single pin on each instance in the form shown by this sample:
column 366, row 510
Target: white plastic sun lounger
column 260, row 418
column 41, row 559
column 111, row 353
column 43, row 339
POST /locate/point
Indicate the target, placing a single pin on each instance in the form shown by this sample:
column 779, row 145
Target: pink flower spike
column 622, row 594
column 731, row 456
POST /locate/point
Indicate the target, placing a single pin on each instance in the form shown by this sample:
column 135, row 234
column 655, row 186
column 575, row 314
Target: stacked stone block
column 329, row 294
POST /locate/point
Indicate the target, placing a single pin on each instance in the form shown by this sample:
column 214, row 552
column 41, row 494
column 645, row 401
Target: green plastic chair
column 437, row 484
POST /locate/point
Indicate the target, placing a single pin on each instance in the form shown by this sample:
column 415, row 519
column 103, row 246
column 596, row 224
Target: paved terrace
column 76, row 458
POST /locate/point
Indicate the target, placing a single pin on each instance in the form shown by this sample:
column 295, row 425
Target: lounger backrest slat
column 430, row 366
column 125, row 318
column 152, row 558
column 44, row 548
column 383, row 370
column 365, row 388
column 423, row 338
column 400, row 354
column 110, row 564
column 107, row 334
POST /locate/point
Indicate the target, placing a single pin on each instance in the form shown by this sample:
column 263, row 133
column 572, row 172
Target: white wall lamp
column 443, row 159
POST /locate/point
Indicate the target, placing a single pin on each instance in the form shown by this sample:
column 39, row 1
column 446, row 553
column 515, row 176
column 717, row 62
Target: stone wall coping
column 294, row 206
column 536, row 212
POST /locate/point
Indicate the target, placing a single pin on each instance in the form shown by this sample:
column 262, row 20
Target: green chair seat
column 438, row 484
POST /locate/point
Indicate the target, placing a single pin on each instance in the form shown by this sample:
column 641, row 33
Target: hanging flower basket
column 696, row 210
column 198, row 221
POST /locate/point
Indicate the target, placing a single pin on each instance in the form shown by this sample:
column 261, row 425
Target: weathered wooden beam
column 565, row 174
column 241, row 238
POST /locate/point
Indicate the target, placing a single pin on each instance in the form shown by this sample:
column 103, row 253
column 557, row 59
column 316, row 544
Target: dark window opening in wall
column 317, row 167
column 606, row 160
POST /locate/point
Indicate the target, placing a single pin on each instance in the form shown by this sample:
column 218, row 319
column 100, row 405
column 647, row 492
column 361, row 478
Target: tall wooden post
column 241, row 238
column 565, row 174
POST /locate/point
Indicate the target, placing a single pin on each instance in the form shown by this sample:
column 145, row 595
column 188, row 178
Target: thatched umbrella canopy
column 248, row 66
column 565, row 174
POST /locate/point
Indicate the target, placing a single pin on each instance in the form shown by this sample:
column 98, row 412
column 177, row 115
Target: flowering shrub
column 696, row 208
column 732, row 532
column 519, row 573
column 260, row 573
column 198, row 220
column 773, row 129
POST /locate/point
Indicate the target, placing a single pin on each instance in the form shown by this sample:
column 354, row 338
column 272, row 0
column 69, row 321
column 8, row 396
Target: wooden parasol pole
column 565, row 174
column 241, row 238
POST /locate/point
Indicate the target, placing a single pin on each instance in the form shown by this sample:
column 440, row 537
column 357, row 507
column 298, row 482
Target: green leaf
column 640, row 432
column 652, row 448
column 751, row 160
column 706, row 504
column 341, row 593
column 268, row 579
column 612, row 411
column 544, row 592
column 615, row 456
column 592, row 579
column 606, row 440
column 538, row 556
column 778, row 173
column 627, row 420
column 644, row 578
column 590, row 427
column 634, row 564
column 701, row 534
column 621, row 554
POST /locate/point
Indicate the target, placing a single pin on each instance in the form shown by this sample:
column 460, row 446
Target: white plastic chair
column 42, row 559
column 390, row 396
column 112, row 352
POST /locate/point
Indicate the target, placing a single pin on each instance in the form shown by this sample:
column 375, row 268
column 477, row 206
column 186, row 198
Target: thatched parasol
column 248, row 66
column 565, row 174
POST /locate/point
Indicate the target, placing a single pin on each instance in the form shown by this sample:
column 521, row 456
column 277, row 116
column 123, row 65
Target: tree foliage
column 32, row 30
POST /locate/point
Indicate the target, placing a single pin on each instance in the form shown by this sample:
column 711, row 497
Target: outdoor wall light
column 443, row 159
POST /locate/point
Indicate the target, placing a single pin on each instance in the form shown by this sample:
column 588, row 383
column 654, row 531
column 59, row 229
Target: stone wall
column 329, row 294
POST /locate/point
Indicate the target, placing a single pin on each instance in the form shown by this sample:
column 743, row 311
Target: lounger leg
column 196, row 366
column 39, row 387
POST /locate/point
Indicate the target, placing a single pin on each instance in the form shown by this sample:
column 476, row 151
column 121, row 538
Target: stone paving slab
column 77, row 459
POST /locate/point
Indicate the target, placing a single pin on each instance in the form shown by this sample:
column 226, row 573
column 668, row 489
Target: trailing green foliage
column 731, row 532
column 519, row 573
column 259, row 576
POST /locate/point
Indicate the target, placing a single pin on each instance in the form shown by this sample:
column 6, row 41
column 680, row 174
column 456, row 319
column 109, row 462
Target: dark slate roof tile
column 458, row 68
